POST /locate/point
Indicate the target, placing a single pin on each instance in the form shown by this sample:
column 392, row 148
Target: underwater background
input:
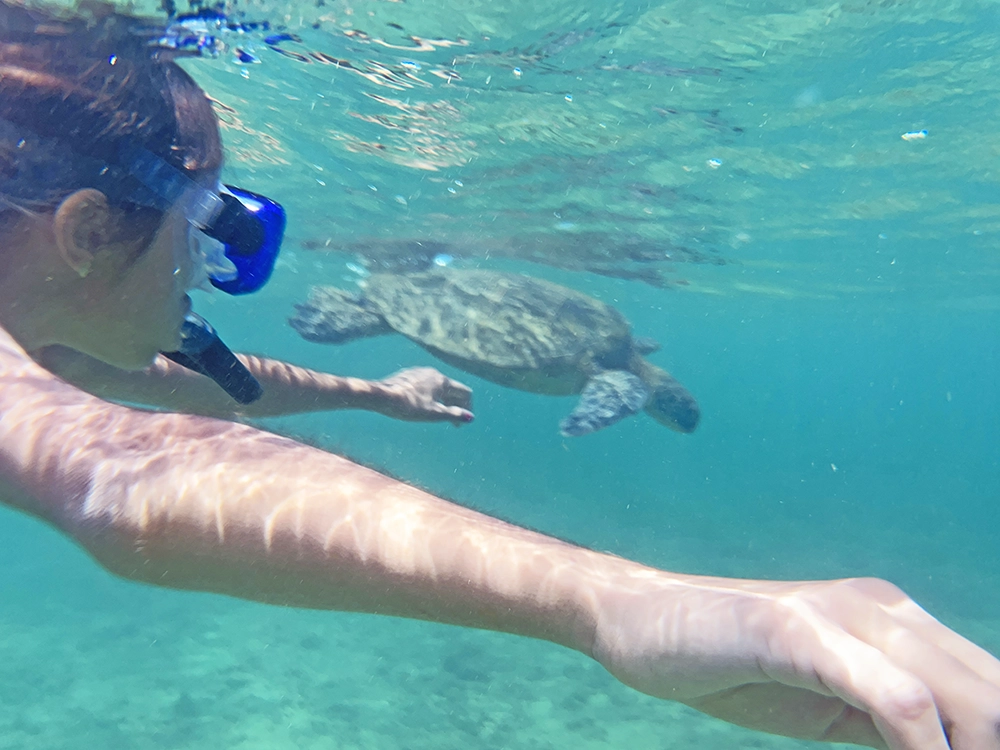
column 734, row 178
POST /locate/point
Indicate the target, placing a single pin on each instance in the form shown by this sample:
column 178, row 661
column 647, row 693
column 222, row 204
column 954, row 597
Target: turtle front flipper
column 607, row 398
column 333, row 316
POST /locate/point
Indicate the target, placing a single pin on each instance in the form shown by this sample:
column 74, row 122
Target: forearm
column 288, row 389
column 339, row 536
column 195, row 503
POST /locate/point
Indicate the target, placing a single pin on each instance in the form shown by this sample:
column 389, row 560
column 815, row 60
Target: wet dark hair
column 81, row 92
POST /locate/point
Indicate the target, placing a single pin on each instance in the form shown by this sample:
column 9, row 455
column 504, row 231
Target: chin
column 131, row 362
column 137, row 358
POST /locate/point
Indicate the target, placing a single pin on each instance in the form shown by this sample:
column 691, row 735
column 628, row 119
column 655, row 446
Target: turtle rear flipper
column 333, row 316
column 607, row 398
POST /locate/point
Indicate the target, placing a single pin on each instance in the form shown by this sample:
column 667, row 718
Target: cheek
column 169, row 258
column 155, row 288
column 185, row 252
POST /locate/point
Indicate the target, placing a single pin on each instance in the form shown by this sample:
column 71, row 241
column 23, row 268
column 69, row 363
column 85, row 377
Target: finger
column 978, row 736
column 461, row 416
column 901, row 706
column 454, row 414
column 978, row 660
column 960, row 675
column 457, row 394
column 969, row 705
column 896, row 604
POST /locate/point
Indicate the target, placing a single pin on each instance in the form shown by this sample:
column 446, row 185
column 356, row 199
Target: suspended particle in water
column 809, row 96
column 358, row 270
column 279, row 38
column 247, row 58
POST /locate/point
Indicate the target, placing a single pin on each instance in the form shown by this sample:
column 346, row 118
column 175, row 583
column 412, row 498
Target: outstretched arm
column 195, row 503
column 418, row 394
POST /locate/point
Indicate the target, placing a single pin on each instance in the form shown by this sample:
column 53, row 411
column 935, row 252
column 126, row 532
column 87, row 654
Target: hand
column 422, row 394
column 839, row 661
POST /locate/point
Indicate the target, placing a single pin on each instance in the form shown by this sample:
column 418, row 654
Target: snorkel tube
column 203, row 351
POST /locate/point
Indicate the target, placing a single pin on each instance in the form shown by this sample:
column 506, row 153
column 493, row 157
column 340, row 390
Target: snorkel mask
column 241, row 236
column 240, row 231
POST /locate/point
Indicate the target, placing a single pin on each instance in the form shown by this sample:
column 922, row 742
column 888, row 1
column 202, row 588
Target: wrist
column 376, row 396
column 601, row 590
column 680, row 636
column 353, row 393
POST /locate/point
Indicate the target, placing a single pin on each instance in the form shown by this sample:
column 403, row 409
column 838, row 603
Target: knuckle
column 879, row 588
column 908, row 699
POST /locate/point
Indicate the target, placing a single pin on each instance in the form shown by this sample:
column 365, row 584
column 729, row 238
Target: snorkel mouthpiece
column 203, row 351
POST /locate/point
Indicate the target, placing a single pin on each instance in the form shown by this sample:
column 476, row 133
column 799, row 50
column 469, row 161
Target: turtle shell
column 494, row 321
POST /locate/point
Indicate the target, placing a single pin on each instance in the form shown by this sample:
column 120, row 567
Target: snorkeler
column 110, row 158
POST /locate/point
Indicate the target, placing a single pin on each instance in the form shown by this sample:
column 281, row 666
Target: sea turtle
column 514, row 330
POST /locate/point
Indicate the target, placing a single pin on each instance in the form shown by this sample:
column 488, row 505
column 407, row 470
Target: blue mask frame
column 250, row 227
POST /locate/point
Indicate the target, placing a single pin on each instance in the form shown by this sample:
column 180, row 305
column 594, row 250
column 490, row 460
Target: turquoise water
column 837, row 321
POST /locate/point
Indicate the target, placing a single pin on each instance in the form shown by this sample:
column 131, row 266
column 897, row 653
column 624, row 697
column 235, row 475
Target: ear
column 82, row 227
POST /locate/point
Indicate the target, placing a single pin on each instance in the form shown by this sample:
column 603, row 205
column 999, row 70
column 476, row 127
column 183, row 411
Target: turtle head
column 672, row 405
column 333, row 316
column 645, row 345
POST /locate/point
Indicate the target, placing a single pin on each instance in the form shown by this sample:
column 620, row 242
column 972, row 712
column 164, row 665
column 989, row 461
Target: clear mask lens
column 210, row 262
